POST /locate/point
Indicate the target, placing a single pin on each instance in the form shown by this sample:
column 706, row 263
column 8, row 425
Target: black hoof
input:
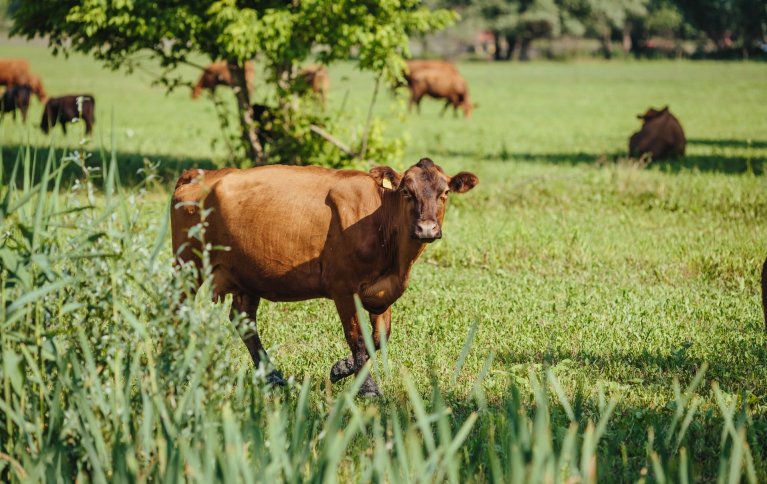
column 341, row 369
column 369, row 389
column 275, row 378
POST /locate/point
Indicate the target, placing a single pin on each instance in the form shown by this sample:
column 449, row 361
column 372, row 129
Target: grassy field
column 619, row 280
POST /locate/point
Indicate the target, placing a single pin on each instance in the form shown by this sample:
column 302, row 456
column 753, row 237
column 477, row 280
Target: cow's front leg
column 353, row 332
column 380, row 323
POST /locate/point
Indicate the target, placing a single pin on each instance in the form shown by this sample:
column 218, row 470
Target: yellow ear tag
column 386, row 183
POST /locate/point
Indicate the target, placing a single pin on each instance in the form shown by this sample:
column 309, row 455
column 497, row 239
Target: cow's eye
column 444, row 195
column 407, row 194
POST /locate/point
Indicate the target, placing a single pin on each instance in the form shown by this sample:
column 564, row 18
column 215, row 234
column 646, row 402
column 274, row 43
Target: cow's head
column 652, row 113
column 468, row 107
column 423, row 191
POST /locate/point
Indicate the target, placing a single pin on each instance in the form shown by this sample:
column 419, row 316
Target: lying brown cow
column 440, row 83
column 218, row 74
column 66, row 109
column 315, row 78
column 299, row 233
column 15, row 98
column 661, row 135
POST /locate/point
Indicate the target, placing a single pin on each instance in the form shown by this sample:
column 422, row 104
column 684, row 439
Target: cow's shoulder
column 353, row 197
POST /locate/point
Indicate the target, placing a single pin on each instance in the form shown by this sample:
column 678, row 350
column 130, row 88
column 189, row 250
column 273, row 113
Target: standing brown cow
column 15, row 72
column 661, row 135
column 299, row 233
column 440, row 83
column 218, row 74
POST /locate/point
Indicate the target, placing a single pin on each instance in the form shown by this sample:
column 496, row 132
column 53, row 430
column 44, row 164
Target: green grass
column 617, row 279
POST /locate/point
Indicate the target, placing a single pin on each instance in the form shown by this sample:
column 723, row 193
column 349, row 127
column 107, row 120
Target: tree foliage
column 281, row 34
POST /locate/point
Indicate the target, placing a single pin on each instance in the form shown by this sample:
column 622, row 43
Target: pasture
column 614, row 279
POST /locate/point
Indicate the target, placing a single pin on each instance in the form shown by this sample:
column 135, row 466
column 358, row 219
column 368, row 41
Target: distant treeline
column 507, row 29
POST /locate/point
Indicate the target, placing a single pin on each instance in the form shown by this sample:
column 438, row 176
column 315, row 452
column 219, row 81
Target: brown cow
column 440, row 83
column 15, row 98
column 65, row 109
column 218, row 74
column 661, row 135
column 15, row 72
column 299, row 233
column 315, row 78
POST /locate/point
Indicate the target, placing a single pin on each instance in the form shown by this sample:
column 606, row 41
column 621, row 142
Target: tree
column 718, row 19
column 283, row 34
column 518, row 21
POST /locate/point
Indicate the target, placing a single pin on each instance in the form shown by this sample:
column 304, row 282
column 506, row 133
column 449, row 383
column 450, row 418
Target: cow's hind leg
column 249, row 306
column 354, row 337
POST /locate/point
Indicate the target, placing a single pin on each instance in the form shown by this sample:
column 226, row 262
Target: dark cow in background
column 306, row 232
column 264, row 116
column 66, row 109
column 218, row 74
column 661, row 135
column 440, row 83
column 15, row 98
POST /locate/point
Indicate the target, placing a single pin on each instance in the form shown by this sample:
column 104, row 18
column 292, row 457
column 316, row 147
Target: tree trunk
column 606, row 47
column 511, row 41
column 253, row 148
column 497, row 54
column 524, row 48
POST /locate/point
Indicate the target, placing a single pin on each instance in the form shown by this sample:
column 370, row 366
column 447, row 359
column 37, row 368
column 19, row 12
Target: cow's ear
column 386, row 177
column 463, row 182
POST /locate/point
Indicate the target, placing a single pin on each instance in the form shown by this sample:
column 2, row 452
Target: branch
column 332, row 139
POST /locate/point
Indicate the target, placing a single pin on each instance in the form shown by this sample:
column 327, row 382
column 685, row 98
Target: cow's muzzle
column 427, row 231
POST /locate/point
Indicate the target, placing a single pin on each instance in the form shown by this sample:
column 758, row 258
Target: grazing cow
column 308, row 232
column 15, row 98
column 440, row 83
column 316, row 79
column 69, row 108
column 218, row 74
column 661, row 135
column 13, row 72
column 36, row 84
column 764, row 292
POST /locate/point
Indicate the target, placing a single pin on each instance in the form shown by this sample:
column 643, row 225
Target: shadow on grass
column 704, row 163
column 133, row 168
column 728, row 143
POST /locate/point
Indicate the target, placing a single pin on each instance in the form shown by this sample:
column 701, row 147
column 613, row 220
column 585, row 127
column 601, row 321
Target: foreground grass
column 616, row 280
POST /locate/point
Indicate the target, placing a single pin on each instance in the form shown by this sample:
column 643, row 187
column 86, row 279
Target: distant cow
column 440, row 83
column 661, row 135
column 65, row 109
column 15, row 98
column 15, row 72
column 316, row 79
column 218, row 74
column 36, row 84
column 306, row 232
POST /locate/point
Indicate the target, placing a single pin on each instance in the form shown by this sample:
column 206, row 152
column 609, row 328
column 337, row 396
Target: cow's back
column 276, row 221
